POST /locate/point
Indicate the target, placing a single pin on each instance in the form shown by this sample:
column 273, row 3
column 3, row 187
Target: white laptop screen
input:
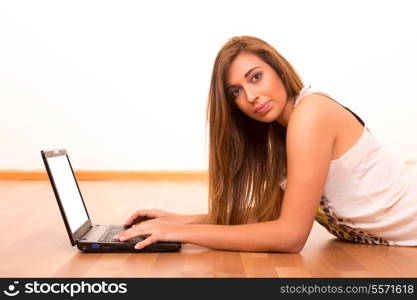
column 66, row 187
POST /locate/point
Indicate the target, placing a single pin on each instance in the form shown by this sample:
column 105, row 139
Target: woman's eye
column 235, row 93
column 256, row 76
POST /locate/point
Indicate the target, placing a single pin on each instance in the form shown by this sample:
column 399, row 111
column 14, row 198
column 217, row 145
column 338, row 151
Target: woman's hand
column 156, row 230
column 145, row 214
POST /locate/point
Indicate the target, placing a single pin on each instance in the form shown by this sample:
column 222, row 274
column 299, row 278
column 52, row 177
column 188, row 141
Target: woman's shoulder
column 334, row 120
column 313, row 115
column 317, row 102
column 320, row 108
column 316, row 108
column 313, row 122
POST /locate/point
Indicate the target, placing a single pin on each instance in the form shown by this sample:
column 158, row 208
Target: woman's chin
column 268, row 118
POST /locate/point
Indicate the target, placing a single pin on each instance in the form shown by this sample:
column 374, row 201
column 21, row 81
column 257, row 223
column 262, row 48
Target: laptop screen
column 67, row 189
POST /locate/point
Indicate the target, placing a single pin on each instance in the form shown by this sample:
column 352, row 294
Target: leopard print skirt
column 337, row 226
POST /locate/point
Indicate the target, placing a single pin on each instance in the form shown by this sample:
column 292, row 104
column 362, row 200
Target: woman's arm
column 196, row 219
column 204, row 219
column 272, row 236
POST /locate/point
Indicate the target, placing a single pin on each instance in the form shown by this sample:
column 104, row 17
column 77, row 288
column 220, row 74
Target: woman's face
column 256, row 89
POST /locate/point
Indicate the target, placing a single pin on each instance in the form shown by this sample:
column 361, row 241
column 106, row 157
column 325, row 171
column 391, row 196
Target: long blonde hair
column 247, row 158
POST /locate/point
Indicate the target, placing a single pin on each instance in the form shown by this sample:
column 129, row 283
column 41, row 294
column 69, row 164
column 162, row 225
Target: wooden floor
column 35, row 243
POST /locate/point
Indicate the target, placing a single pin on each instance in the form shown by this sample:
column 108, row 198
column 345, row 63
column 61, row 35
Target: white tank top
column 369, row 195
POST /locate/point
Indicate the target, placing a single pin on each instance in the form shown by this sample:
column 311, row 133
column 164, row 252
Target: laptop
column 81, row 232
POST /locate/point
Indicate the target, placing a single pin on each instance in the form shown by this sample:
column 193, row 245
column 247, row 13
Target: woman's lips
column 264, row 107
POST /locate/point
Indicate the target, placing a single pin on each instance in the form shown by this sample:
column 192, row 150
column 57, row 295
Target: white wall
column 123, row 84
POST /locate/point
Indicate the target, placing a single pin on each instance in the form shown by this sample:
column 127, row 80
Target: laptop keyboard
column 108, row 237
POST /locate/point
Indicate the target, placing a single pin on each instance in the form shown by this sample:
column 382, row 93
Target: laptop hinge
column 82, row 230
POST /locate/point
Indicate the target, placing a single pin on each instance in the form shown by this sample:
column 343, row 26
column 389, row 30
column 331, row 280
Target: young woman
column 282, row 156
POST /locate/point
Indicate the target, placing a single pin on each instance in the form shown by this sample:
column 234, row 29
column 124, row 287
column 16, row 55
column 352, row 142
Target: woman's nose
column 251, row 96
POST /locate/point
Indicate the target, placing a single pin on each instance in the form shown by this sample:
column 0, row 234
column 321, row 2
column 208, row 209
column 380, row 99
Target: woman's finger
column 145, row 242
column 129, row 233
column 139, row 216
column 133, row 217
